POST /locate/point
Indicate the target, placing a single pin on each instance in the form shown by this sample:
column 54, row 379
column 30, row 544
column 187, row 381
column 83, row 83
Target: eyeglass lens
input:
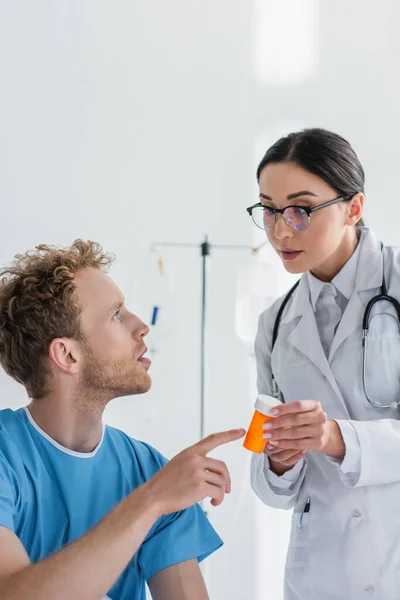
column 294, row 216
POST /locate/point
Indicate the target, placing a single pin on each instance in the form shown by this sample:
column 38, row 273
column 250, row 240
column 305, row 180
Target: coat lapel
column 369, row 277
column 305, row 336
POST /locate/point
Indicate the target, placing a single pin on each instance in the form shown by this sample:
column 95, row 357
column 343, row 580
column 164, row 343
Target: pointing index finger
column 218, row 439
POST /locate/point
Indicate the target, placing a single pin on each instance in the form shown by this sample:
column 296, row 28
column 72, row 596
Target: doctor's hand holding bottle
column 300, row 427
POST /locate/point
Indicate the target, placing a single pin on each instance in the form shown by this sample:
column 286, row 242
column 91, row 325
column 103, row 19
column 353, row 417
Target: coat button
column 369, row 588
column 355, row 513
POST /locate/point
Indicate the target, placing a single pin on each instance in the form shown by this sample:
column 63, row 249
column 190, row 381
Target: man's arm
column 85, row 569
column 13, row 554
column 88, row 568
column 183, row 581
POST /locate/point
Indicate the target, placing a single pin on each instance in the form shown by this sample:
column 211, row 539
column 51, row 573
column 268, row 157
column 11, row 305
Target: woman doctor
column 333, row 451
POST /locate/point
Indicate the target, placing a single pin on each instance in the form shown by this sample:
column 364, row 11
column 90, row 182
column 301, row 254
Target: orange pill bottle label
column 254, row 440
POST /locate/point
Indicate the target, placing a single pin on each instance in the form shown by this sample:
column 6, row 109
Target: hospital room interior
column 140, row 126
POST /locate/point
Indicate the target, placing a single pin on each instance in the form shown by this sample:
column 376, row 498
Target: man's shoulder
column 11, row 423
column 7, row 415
column 11, row 439
column 148, row 458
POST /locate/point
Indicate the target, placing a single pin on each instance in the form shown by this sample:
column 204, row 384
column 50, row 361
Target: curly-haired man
column 85, row 510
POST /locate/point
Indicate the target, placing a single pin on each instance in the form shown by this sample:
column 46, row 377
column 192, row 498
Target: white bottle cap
column 264, row 403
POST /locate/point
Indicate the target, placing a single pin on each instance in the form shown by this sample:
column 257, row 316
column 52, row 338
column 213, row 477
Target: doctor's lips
column 289, row 253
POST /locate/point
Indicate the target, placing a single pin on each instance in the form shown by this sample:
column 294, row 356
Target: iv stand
column 205, row 248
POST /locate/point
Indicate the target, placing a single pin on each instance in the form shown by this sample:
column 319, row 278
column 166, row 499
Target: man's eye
column 117, row 315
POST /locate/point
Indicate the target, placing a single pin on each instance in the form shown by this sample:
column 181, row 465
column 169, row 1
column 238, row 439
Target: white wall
column 134, row 122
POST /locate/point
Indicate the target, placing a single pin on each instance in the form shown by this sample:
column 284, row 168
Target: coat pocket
column 298, row 551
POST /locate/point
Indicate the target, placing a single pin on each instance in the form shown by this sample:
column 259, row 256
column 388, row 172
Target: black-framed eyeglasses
column 297, row 217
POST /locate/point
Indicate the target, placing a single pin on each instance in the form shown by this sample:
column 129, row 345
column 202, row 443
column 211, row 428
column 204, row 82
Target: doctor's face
column 324, row 246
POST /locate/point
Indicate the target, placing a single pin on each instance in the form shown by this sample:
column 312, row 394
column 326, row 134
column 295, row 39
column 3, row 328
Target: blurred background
column 135, row 123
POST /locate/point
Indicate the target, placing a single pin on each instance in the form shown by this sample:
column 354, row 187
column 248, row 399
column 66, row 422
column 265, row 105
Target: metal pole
column 205, row 252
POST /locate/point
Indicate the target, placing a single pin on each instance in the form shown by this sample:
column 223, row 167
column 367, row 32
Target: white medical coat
column 348, row 547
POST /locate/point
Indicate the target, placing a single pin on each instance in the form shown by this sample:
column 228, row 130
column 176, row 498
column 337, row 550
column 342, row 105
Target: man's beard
column 113, row 378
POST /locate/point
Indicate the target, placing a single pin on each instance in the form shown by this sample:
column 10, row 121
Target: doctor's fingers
column 272, row 450
column 287, row 457
column 311, row 444
column 297, row 419
column 295, row 433
column 297, row 406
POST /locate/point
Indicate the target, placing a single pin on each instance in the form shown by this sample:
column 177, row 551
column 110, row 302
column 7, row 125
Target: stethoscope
column 382, row 296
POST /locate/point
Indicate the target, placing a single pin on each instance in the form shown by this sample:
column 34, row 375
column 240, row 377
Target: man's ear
column 65, row 354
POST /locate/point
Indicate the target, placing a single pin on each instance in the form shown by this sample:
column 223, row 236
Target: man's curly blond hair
column 37, row 305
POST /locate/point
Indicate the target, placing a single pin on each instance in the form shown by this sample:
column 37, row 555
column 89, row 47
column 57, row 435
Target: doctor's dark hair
column 322, row 153
column 38, row 304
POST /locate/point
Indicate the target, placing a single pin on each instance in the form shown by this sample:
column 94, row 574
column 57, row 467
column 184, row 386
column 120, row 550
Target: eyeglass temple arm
column 329, row 203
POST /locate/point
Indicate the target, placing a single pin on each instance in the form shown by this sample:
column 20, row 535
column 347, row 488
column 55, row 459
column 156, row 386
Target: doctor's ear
column 355, row 209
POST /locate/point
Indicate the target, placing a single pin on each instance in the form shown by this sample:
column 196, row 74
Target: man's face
column 113, row 347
